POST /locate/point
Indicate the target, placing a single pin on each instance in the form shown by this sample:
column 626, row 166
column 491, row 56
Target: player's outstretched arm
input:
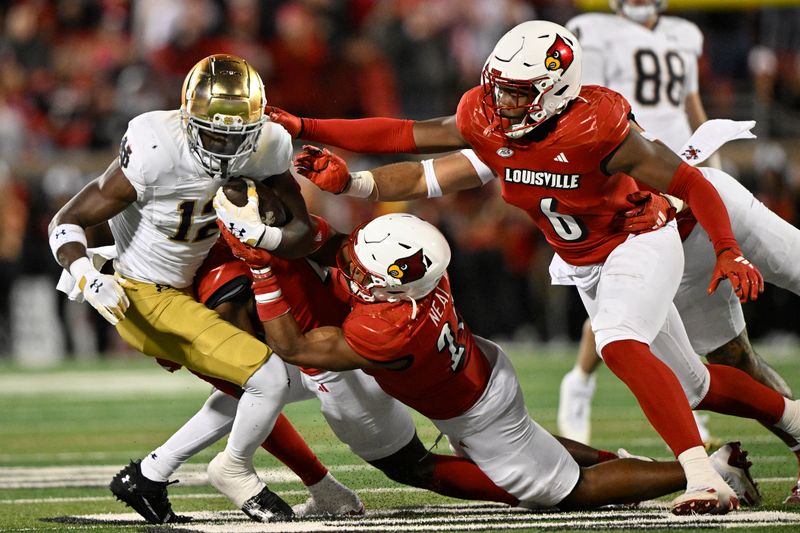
column 397, row 181
column 97, row 202
column 375, row 134
column 655, row 165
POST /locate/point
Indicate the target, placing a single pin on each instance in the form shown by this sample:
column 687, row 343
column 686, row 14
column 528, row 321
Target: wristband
column 675, row 202
column 434, row 189
column 361, row 184
column 64, row 233
column 270, row 239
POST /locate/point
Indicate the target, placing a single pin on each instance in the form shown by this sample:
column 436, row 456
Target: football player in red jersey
column 405, row 331
column 568, row 156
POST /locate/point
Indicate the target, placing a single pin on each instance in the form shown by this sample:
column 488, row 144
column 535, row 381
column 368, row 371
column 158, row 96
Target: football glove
column 253, row 257
column 745, row 278
column 649, row 212
column 245, row 222
column 292, row 123
column 105, row 293
column 325, row 169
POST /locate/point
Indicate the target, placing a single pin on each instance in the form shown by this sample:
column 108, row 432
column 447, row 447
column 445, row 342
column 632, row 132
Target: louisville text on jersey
column 541, row 178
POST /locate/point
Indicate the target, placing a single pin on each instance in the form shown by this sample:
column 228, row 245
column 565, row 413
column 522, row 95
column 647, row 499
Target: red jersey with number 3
column 558, row 179
column 444, row 371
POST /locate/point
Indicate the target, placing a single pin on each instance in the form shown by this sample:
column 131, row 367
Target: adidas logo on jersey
column 561, row 158
column 541, row 178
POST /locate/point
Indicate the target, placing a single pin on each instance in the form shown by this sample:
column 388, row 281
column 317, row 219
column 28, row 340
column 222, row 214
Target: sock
column 657, row 390
column 581, row 373
column 262, row 401
column 733, row 392
column 460, row 478
column 698, row 470
column 212, row 422
column 286, row 444
column 790, row 418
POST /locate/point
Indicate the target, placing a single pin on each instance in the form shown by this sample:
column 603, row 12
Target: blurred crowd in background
column 74, row 72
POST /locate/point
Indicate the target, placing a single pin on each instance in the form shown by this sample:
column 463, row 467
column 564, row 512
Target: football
column 270, row 207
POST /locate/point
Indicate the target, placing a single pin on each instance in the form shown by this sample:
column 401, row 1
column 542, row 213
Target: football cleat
column 731, row 463
column 575, row 406
column 146, row 497
column 794, row 497
column 266, row 506
column 705, row 501
column 330, row 498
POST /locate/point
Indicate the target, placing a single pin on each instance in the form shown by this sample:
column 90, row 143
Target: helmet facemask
column 504, row 95
column 641, row 14
column 224, row 144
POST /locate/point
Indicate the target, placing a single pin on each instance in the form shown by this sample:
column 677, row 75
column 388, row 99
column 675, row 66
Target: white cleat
column 731, row 463
column 575, row 406
column 717, row 498
column 329, row 498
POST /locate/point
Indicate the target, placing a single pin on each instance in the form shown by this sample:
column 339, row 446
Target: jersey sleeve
column 374, row 335
column 142, row 154
column 692, row 38
column 273, row 155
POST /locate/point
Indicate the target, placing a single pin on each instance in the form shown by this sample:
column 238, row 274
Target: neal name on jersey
column 542, row 178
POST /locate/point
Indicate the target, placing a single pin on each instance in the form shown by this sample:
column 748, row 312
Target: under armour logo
column 126, row 479
column 160, row 287
column 96, row 285
column 153, row 456
column 238, row 233
column 61, row 233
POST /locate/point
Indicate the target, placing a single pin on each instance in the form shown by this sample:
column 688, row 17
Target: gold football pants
column 169, row 323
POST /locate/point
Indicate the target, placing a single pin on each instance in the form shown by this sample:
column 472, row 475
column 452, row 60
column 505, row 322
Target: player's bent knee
column 411, row 465
column 269, row 380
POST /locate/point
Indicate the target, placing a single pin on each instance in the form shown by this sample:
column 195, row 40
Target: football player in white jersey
column 157, row 198
column 651, row 59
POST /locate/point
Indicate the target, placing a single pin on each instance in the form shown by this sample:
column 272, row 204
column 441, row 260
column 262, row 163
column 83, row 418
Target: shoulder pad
column 148, row 147
column 687, row 34
column 373, row 331
column 592, row 29
column 608, row 111
column 274, row 152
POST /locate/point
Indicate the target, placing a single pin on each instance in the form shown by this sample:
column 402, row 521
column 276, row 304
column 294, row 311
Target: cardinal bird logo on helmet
column 408, row 269
column 559, row 55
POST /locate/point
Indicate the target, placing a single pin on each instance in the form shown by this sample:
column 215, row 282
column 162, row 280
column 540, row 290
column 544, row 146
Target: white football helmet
column 395, row 257
column 536, row 66
column 640, row 13
column 222, row 107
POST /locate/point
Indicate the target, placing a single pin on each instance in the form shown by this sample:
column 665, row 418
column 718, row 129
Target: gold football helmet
column 222, row 107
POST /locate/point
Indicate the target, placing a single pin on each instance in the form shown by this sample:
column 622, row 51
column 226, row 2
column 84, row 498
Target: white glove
column 245, row 222
column 102, row 291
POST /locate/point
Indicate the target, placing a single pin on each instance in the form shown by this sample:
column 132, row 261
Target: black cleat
column 146, row 497
column 266, row 506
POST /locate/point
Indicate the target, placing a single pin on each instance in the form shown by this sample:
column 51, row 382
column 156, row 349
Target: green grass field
column 64, row 432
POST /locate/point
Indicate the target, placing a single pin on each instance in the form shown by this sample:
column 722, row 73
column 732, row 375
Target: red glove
column 253, row 257
column 325, row 169
column 293, row 124
column 745, row 278
column 649, row 212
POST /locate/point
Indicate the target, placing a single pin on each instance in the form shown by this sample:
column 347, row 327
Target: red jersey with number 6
column 558, row 179
column 444, row 373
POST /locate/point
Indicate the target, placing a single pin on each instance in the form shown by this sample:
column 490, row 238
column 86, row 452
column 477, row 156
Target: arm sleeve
column 367, row 135
column 690, row 185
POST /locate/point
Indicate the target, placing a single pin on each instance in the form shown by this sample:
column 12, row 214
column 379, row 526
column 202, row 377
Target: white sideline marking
column 102, row 383
column 472, row 517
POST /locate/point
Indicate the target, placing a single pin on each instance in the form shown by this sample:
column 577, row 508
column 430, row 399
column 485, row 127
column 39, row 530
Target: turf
column 104, row 413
